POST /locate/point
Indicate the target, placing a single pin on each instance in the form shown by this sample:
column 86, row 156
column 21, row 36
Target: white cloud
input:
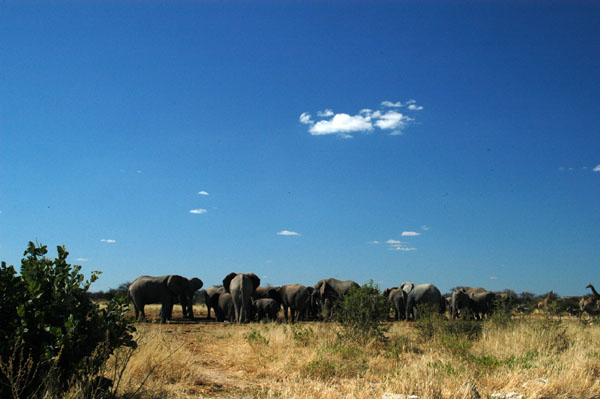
column 342, row 124
column 325, row 114
column 401, row 248
column 367, row 120
column 597, row 168
column 391, row 104
column 108, row 240
column 287, row 233
column 394, row 242
column 81, row 259
column 425, row 228
column 306, row 118
column 198, row 211
column 493, row 278
column 202, row 192
column 392, row 120
column 374, row 242
column 410, row 234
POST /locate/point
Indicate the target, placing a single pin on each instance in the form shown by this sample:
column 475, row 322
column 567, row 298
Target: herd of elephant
column 241, row 299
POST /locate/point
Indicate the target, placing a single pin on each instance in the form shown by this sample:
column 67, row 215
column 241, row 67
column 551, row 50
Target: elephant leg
column 142, row 313
column 285, row 313
column 237, row 311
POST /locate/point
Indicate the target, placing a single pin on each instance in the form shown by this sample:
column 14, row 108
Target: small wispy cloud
column 287, row 233
column 395, row 245
column 425, row 228
column 203, row 192
column 390, row 104
column 401, row 248
column 198, row 211
column 410, row 234
column 596, row 169
column 393, row 242
column 493, row 278
column 108, row 240
column 367, row 120
column 81, row 259
column 325, row 114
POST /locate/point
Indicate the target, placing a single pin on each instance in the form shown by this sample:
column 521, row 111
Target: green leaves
column 48, row 309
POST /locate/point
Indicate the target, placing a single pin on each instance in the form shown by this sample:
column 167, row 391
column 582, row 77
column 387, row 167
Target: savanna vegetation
column 57, row 342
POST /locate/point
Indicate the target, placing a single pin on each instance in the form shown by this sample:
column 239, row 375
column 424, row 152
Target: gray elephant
column 241, row 286
column 397, row 299
column 225, row 310
column 314, row 310
column 211, row 298
column 460, row 304
column 267, row 292
column 165, row 290
column 422, row 294
column 297, row 298
column 483, row 303
column 266, row 307
column 332, row 290
column 476, row 302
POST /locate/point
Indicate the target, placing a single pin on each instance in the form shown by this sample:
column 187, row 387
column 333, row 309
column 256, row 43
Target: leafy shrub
column 50, row 325
column 362, row 313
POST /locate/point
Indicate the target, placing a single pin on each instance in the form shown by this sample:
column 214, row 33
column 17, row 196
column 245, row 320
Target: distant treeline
column 120, row 291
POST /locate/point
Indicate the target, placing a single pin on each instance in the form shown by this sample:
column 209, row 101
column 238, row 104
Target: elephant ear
column 227, row 280
column 196, row 284
column 176, row 283
column 275, row 293
column 327, row 290
column 255, row 280
column 407, row 286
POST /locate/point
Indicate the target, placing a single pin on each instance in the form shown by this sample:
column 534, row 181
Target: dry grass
column 537, row 358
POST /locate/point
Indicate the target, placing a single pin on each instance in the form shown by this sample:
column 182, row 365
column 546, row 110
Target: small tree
column 59, row 331
column 362, row 313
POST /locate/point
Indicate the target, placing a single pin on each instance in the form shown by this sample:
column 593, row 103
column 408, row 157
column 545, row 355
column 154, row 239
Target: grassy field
column 538, row 358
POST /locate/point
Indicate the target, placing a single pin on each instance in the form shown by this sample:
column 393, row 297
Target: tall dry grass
column 537, row 358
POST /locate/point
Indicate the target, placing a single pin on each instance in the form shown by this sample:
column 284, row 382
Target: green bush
column 51, row 331
column 362, row 313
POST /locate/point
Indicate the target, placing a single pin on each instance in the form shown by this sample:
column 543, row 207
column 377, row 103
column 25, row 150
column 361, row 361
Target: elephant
column 397, row 298
column 226, row 310
column 164, row 290
column 211, row 298
column 479, row 303
column 266, row 307
column 267, row 292
column 241, row 286
column 422, row 294
column 331, row 290
column 297, row 298
column 314, row 309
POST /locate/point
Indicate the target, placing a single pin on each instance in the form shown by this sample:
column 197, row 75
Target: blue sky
column 447, row 142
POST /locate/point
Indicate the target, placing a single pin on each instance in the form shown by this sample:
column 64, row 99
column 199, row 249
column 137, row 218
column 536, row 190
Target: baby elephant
column 266, row 307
